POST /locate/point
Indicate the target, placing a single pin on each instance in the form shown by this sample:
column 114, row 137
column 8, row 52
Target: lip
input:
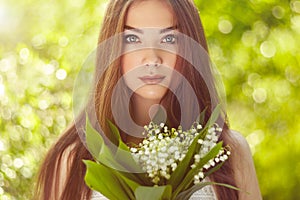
column 152, row 80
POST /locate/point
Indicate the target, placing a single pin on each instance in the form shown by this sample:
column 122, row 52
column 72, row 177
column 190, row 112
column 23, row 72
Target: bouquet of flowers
column 167, row 164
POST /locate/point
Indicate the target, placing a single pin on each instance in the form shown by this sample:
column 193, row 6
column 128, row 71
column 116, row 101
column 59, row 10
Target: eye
column 132, row 39
column 171, row 39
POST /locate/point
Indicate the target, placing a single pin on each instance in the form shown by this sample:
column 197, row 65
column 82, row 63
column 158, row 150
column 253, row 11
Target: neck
column 142, row 111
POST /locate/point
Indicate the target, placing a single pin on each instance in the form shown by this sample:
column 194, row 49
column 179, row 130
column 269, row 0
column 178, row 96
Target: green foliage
column 253, row 43
column 99, row 173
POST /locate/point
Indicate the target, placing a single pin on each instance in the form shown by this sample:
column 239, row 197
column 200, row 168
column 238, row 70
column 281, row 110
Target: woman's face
column 149, row 39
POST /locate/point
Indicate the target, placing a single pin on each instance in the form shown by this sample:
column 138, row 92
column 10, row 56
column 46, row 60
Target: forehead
column 150, row 14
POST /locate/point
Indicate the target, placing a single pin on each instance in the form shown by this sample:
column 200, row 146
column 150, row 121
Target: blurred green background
column 255, row 45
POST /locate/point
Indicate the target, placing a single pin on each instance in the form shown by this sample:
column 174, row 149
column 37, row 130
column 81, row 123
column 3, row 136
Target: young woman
column 150, row 75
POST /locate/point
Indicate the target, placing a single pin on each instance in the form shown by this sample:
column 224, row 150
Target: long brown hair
column 62, row 173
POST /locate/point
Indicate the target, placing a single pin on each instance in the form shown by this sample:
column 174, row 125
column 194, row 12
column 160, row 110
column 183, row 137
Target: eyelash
column 173, row 39
column 128, row 39
column 131, row 36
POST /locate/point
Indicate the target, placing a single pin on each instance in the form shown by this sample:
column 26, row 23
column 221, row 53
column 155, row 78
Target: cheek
column 127, row 63
column 170, row 60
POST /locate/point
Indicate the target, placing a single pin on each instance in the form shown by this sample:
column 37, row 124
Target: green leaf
column 124, row 157
column 94, row 140
column 115, row 135
column 107, row 158
column 214, row 116
column 154, row 192
column 101, row 178
column 99, row 149
column 206, row 174
column 135, row 171
column 116, row 138
column 123, row 154
column 128, row 185
column 228, row 186
column 201, row 117
column 130, row 182
column 121, row 160
column 218, row 166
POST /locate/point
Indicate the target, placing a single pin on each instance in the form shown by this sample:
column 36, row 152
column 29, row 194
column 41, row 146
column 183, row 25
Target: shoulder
column 243, row 167
column 241, row 155
column 240, row 145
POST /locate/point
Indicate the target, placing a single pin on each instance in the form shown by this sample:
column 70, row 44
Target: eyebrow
column 127, row 27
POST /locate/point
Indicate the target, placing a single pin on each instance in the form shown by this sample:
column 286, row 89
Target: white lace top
column 206, row 193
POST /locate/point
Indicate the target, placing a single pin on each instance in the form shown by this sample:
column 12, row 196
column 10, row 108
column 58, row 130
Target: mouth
column 152, row 80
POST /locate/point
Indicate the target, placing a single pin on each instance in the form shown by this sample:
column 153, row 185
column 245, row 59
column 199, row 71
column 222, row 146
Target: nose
column 151, row 57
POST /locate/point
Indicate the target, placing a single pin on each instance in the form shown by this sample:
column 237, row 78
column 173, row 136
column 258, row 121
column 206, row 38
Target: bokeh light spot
column 278, row 12
column 259, row 95
column 261, row 29
column 26, row 123
column 10, row 173
column 249, row 38
column 61, row 121
column 295, row 5
column 24, row 53
column 6, row 159
column 225, row 26
column 247, row 90
column 296, row 23
column 43, row 104
column 255, row 139
column 38, row 41
column 44, row 131
column 61, row 74
column 267, row 49
column 15, row 134
column 5, row 113
column 63, row 41
column 7, row 64
column 18, row 163
column 26, row 172
column 291, row 75
column 253, row 78
column 48, row 121
column 48, row 69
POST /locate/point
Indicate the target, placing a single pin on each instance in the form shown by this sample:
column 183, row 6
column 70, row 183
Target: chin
column 152, row 92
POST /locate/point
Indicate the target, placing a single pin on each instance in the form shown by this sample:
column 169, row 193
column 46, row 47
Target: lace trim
column 206, row 193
